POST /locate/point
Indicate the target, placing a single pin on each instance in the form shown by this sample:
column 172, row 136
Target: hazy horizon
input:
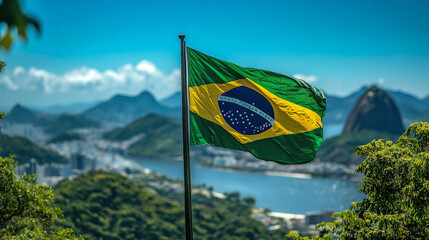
column 7, row 108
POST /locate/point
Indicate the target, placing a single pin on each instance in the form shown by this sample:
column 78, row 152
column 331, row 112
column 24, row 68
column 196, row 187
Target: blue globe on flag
column 246, row 111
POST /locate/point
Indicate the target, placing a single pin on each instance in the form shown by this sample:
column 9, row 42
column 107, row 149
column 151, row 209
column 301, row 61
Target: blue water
column 332, row 130
column 279, row 194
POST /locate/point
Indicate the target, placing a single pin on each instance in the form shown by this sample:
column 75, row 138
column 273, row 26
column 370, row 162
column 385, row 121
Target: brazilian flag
column 273, row 116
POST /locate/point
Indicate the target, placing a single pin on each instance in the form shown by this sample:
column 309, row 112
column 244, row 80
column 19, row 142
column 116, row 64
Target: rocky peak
column 375, row 110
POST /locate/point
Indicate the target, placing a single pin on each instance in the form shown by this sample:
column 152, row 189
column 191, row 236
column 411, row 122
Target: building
column 78, row 162
column 31, row 167
column 52, row 171
column 313, row 218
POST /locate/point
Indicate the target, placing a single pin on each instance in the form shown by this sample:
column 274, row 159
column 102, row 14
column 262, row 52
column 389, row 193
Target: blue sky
column 338, row 46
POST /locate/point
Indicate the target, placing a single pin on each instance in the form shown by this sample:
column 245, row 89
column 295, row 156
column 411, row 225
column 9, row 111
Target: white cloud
column 128, row 79
column 309, row 78
column 5, row 81
column 146, row 66
column 18, row 70
column 380, row 81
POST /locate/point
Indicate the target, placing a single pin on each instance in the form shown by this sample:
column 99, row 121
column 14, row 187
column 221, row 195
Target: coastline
column 344, row 176
column 350, row 177
column 287, row 174
column 270, row 173
column 287, row 216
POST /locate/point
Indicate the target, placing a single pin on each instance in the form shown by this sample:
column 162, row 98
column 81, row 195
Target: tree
column 210, row 189
column 2, row 115
column 249, row 200
column 12, row 15
column 396, row 182
column 233, row 196
column 2, row 65
column 25, row 207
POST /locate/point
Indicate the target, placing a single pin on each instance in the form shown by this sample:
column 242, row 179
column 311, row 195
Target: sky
column 89, row 50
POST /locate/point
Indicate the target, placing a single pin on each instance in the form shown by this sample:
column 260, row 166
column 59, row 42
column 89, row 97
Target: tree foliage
column 396, row 183
column 12, row 15
column 2, row 115
column 25, row 207
column 2, row 65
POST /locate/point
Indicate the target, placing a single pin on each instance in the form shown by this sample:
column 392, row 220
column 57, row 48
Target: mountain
column 25, row 150
column 425, row 101
column 410, row 107
column 20, row 114
column 23, row 115
column 424, row 117
column 172, row 101
column 72, row 108
column 161, row 136
column 124, row 109
column 375, row 110
column 338, row 108
column 66, row 122
column 374, row 116
column 402, row 98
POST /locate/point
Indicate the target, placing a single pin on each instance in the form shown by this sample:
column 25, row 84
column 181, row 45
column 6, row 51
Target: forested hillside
column 160, row 136
column 104, row 205
column 24, row 150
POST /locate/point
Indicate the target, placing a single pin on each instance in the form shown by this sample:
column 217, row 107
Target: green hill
column 24, row 150
column 66, row 122
column 103, row 205
column 340, row 149
column 20, row 114
column 161, row 136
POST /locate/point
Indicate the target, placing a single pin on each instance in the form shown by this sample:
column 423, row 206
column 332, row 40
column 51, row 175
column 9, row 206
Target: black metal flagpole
column 185, row 127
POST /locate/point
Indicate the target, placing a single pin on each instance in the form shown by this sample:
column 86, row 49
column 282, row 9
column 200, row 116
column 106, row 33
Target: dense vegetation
column 25, row 207
column 104, row 205
column 340, row 149
column 66, row 122
column 160, row 136
column 64, row 137
column 396, row 183
column 25, row 150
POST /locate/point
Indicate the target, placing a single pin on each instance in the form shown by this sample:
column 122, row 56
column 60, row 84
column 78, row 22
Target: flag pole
column 185, row 128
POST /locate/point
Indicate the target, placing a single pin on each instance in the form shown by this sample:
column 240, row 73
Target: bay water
column 295, row 195
column 277, row 193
